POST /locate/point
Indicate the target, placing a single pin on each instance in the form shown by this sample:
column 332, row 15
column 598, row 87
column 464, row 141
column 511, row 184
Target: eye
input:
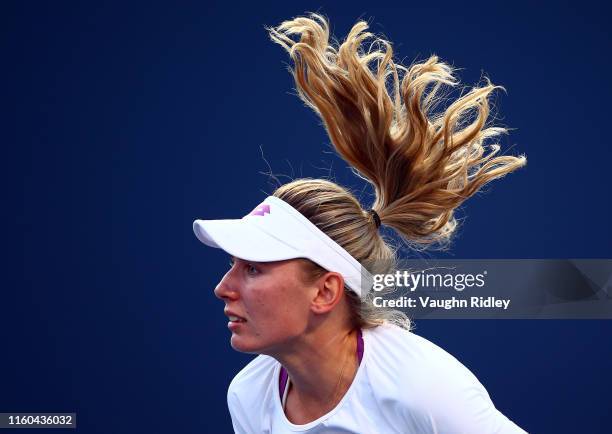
column 231, row 262
column 251, row 269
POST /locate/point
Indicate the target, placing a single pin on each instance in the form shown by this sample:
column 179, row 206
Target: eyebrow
column 261, row 264
column 235, row 259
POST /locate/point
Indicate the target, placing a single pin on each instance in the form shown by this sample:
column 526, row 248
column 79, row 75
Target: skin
column 303, row 324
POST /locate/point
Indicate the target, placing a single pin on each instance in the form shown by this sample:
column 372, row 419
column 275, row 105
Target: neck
column 321, row 366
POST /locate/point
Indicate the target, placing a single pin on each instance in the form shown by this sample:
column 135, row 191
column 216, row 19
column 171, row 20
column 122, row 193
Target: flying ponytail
column 380, row 119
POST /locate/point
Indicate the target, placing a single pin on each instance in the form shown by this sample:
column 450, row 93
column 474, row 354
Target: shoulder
column 254, row 377
column 429, row 383
column 251, row 392
column 419, row 364
column 399, row 348
column 257, row 368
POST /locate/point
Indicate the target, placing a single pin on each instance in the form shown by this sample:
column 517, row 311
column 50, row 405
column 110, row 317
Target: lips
column 233, row 317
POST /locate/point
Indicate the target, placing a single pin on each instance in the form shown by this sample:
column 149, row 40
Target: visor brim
column 243, row 240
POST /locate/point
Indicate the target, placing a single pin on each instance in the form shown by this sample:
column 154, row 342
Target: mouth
column 233, row 317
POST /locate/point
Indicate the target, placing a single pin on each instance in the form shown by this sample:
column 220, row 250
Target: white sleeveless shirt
column 404, row 384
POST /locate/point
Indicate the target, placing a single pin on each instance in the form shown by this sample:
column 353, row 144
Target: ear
column 330, row 288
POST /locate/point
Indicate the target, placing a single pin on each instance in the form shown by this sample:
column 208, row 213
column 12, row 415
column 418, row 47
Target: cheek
column 283, row 309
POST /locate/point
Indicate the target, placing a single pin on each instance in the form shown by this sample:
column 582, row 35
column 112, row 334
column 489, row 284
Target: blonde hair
column 422, row 165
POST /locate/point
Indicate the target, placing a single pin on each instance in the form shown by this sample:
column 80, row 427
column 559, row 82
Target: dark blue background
column 126, row 121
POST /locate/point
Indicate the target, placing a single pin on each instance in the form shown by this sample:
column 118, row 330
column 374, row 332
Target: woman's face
column 268, row 304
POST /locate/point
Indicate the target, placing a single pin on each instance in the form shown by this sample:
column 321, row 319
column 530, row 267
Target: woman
column 297, row 290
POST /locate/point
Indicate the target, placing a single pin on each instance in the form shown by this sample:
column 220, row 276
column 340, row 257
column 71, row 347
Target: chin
column 242, row 345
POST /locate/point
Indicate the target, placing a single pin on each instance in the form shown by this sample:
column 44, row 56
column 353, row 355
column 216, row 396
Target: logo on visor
column 261, row 210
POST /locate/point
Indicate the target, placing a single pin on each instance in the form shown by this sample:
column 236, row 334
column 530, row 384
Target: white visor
column 275, row 231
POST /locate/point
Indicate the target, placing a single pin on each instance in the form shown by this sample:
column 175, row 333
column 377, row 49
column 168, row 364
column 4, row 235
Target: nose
column 226, row 289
